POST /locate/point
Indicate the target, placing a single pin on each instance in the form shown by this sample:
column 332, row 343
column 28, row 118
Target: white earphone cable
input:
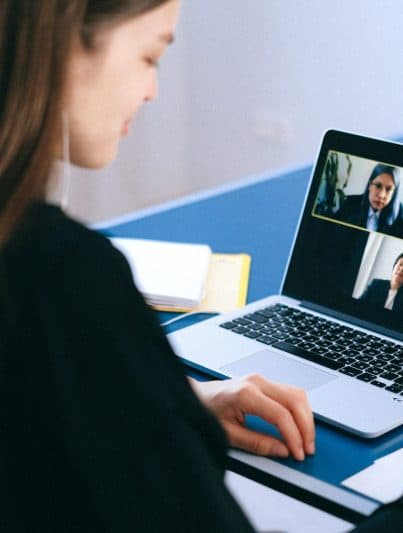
column 66, row 161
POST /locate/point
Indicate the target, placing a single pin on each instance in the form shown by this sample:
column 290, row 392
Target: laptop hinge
column 352, row 320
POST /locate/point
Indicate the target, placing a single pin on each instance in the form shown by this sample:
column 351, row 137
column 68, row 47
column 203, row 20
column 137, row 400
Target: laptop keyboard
column 348, row 351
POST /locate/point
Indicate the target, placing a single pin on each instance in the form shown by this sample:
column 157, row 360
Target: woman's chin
column 96, row 161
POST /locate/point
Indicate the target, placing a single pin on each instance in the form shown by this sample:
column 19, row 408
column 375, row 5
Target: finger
column 304, row 419
column 254, row 442
column 257, row 403
column 283, row 419
column 296, row 401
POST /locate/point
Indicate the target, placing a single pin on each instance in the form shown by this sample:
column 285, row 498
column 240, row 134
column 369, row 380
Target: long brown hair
column 35, row 41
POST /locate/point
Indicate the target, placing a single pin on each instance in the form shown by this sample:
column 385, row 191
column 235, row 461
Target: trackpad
column 276, row 367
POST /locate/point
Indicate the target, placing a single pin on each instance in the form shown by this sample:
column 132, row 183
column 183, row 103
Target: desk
column 259, row 216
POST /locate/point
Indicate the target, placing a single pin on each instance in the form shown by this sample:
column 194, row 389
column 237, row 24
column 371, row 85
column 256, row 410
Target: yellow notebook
column 226, row 285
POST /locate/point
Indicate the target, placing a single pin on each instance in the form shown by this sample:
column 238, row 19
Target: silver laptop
column 336, row 328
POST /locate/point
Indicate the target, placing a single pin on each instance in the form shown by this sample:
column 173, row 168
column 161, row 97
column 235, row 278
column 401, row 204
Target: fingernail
column 280, row 451
column 311, row 448
column 300, row 455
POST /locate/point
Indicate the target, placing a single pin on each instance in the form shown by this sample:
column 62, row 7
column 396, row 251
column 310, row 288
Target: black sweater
column 100, row 430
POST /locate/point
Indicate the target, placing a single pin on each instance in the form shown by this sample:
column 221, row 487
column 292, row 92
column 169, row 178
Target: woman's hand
column 284, row 406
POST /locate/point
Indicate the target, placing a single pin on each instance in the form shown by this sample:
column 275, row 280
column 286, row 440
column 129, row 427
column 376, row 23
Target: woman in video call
column 379, row 208
column 100, row 429
column 387, row 293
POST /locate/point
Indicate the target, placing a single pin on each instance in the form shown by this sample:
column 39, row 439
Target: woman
column 100, row 429
column 379, row 208
column 385, row 293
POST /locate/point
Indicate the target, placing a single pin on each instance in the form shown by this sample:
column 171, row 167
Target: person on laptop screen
column 387, row 293
column 100, row 429
column 379, row 207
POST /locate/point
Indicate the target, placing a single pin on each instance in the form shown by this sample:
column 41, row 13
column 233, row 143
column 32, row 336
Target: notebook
column 181, row 277
column 336, row 328
column 169, row 274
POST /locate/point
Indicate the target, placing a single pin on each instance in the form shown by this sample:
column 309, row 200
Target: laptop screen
column 348, row 253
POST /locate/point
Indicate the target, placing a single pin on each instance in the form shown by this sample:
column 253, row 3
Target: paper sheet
column 382, row 481
column 269, row 510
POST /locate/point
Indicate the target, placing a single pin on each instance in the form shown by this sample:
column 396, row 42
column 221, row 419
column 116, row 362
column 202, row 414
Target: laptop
column 336, row 328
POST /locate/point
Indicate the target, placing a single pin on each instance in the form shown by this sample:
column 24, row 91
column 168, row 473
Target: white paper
column 167, row 273
column 269, row 510
column 382, row 481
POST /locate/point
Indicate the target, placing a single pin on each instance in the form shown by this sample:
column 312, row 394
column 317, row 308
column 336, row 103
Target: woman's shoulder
column 48, row 238
column 352, row 200
column 351, row 206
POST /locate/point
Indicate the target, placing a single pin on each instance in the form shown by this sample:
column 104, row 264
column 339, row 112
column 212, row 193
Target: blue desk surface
column 259, row 217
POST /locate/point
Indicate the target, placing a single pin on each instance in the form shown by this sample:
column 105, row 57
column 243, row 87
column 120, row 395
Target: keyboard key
column 240, row 329
column 338, row 349
column 344, row 342
column 389, row 376
column 228, row 325
column 360, row 365
column 268, row 312
column 256, row 317
column 320, row 351
column 286, row 329
column 376, row 345
column 305, row 354
column 395, row 388
column 252, row 334
column 266, row 339
column 324, row 343
column 389, row 350
column 370, row 351
column 393, row 368
column 333, row 355
column 306, row 345
column 384, row 358
column 255, row 327
column 350, row 371
column 365, row 377
column 352, row 353
column 280, row 336
column 379, row 384
column 374, row 370
column 364, row 358
column 377, row 363
column 294, row 341
column 347, row 360
column 242, row 321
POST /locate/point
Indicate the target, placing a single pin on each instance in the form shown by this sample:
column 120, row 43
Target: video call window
column 379, row 281
column 361, row 193
column 365, row 195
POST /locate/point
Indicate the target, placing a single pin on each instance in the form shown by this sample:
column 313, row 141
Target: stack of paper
column 183, row 277
column 168, row 274
column 382, row 480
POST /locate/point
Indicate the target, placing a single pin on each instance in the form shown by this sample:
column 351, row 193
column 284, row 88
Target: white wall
column 251, row 86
